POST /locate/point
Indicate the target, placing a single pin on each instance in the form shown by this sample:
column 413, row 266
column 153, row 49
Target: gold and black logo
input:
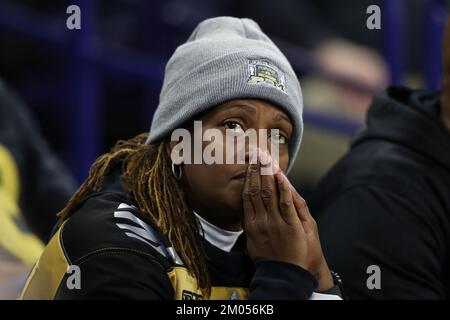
column 188, row 295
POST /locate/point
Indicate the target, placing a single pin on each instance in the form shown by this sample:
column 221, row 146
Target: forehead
column 251, row 106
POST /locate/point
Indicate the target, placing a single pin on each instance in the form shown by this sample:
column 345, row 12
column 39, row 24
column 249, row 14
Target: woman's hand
column 320, row 268
column 279, row 226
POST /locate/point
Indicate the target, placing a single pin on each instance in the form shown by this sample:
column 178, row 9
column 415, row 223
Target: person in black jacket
column 34, row 184
column 384, row 209
column 150, row 223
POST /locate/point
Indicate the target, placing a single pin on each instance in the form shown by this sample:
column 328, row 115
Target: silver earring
column 180, row 171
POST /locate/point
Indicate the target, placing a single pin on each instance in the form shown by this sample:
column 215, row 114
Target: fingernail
column 275, row 166
column 253, row 155
column 279, row 178
column 263, row 157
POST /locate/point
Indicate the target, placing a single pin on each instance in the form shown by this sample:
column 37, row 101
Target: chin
column 235, row 201
column 232, row 206
column 236, row 210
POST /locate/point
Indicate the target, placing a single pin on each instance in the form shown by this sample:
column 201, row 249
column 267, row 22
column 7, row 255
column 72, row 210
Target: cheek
column 195, row 176
column 211, row 186
column 203, row 179
column 223, row 150
column 283, row 157
column 284, row 160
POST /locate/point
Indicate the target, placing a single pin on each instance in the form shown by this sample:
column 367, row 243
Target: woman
column 149, row 224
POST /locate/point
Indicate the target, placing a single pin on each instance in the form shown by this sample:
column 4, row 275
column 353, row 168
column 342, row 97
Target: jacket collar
column 218, row 237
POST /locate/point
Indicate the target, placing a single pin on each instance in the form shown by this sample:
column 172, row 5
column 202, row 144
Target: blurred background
column 85, row 89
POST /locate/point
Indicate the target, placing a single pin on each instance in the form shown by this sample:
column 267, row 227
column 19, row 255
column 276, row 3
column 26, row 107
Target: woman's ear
column 169, row 146
column 175, row 157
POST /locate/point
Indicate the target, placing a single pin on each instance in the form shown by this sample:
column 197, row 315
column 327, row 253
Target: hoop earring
column 180, row 171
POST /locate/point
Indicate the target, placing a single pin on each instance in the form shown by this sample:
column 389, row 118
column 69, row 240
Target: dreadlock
column 147, row 176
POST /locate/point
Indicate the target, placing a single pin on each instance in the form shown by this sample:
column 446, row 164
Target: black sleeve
column 119, row 276
column 403, row 236
column 275, row 280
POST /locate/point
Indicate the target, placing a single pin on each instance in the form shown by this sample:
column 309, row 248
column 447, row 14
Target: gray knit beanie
column 226, row 58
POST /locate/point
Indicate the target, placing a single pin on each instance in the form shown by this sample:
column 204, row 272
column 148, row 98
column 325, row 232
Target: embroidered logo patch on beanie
column 262, row 71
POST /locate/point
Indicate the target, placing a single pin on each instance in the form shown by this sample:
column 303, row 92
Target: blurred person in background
column 34, row 186
column 386, row 204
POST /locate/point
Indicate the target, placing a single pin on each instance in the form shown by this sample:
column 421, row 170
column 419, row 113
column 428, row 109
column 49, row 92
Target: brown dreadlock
column 147, row 176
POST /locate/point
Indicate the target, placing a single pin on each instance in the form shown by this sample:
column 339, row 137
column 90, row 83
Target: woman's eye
column 278, row 138
column 233, row 125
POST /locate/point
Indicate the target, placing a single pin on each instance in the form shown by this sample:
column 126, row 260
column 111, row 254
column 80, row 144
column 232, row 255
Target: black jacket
column 43, row 184
column 121, row 254
column 387, row 202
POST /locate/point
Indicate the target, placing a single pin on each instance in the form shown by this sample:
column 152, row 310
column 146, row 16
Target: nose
column 249, row 147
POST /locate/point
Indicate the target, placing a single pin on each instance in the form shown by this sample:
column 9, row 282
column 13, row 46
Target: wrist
column 324, row 278
column 338, row 289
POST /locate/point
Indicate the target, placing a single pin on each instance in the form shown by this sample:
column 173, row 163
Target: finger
column 303, row 213
column 255, row 194
column 269, row 191
column 301, row 208
column 286, row 204
column 249, row 212
column 299, row 202
column 300, row 205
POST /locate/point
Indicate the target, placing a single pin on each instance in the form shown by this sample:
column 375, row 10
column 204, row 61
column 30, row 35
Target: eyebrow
column 252, row 109
column 246, row 107
column 281, row 116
